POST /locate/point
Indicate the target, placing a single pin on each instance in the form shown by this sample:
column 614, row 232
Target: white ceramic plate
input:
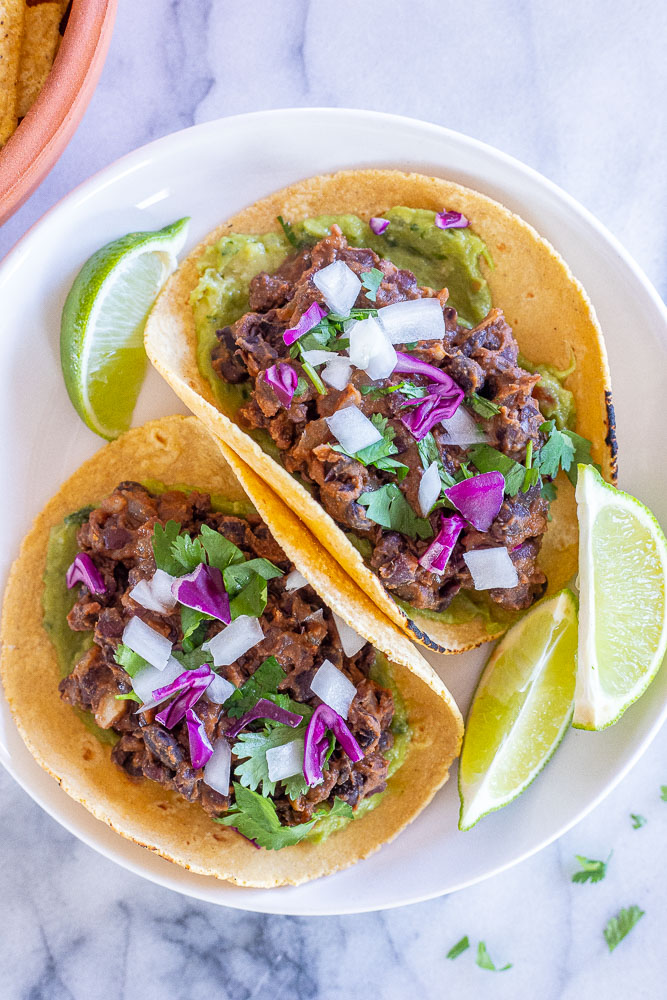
column 209, row 172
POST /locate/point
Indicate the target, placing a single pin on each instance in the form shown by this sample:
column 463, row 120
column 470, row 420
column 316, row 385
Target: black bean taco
column 415, row 372
column 168, row 664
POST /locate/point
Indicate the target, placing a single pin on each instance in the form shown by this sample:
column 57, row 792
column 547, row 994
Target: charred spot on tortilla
column 610, row 437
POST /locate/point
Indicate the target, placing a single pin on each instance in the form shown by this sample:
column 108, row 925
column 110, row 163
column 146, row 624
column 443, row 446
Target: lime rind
column 493, row 777
column 596, row 708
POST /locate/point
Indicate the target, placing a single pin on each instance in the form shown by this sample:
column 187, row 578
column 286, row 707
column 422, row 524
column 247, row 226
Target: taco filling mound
column 369, row 360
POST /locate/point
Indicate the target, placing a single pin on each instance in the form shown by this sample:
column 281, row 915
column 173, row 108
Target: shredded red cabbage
column 200, row 746
column 451, row 220
column 479, row 499
column 264, row 709
column 406, row 364
column 316, row 742
column 437, row 554
column 191, row 684
column 83, row 570
column 313, row 314
column 184, row 680
column 204, row 590
column 378, row 225
column 440, row 404
column 283, row 380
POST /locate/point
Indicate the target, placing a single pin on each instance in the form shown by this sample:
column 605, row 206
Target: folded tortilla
column 549, row 312
column 179, row 450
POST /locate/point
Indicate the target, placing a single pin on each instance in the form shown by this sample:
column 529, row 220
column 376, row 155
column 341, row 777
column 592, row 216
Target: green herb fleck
column 484, row 960
column 253, row 769
column 488, row 459
column 130, row 661
column 256, row 818
column 591, row 871
column 301, row 387
column 371, row 281
column 261, row 684
column 163, row 539
column 458, row 948
column 377, row 454
column 79, row 516
column 288, row 231
column 314, row 378
column 483, row 407
column 389, row 508
column 621, row 925
column 637, row 820
column 663, row 793
column 130, row 696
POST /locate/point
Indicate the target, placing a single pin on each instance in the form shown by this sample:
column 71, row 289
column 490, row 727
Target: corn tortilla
column 41, row 38
column 179, row 449
column 548, row 310
column 12, row 16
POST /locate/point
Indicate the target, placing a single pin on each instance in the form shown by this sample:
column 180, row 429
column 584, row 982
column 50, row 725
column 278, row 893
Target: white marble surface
column 573, row 89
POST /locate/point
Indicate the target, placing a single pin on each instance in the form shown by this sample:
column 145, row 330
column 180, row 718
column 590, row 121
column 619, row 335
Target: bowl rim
column 50, row 123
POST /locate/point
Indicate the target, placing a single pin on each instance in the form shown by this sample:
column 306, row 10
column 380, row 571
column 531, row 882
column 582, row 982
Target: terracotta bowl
column 49, row 125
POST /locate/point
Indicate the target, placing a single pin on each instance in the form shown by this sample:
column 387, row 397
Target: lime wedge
column 521, row 708
column 622, row 584
column 101, row 333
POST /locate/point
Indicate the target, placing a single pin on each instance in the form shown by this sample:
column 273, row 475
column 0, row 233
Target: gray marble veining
column 575, row 90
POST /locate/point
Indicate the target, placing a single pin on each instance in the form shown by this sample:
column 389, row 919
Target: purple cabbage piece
column 83, row 570
column 479, row 499
column 451, row 220
column 184, row 680
column 188, row 697
column 430, row 410
column 312, row 316
column 316, row 742
column 200, row 746
column 406, row 364
column 378, row 225
column 283, row 380
column 204, row 590
column 264, row 709
column 437, row 555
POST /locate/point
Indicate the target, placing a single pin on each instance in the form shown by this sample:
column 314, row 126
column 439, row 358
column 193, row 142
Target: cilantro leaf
column 663, row 793
column 79, row 516
column 483, row 407
column 130, row 661
column 428, row 453
column 288, row 231
column 239, row 575
column 252, row 770
column 188, row 551
column 256, row 818
column 621, row 925
column 458, row 948
column 488, row 459
column 339, row 810
column 301, row 387
column 389, row 508
column 220, row 551
column 251, row 600
column 591, row 871
column 262, row 684
column 484, row 960
column 377, row 454
column 163, row 539
column 191, row 619
column 192, row 659
column 563, row 449
column 371, row 281
column 637, row 820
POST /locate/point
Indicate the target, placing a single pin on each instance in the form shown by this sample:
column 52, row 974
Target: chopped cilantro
column 458, row 948
column 253, row 769
column 563, row 449
column 389, row 508
column 251, row 600
column 130, row 696
column 407, row 388
column 488, row 459
column 314, row 378
column 191, row 619
column 428, row 453
column 163, row 539
column 130, row 661
column 377, row 454
column 220, row 551
column 256, row 818
column 192, row 659
column 188, row 551
column 637, row 820
column 591, row 871
column 288, row 231
column 411, row 346
column 484, row 960
column 371, row 281
column 238, row 576
column 619, row 926
column 301, row 387
column 483, row 407
column 263, row 683
column 663, row 793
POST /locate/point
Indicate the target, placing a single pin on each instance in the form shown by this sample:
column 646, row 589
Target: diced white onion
column 295, row 580
column 339, row 285
column 234, row 640
column 491, row 569
column 462, row 429
column 370, row 349
column 146, row 681
column 429, row 488
column 350, row 639
column 333, row 688
column 354, row 430
column 318, row 357
column 317, row 616
column 216, row 772
column 155, row 594
column 145, row 641
column 219, row 690
column 337, row 372
column 285, row 761
column 414, row 319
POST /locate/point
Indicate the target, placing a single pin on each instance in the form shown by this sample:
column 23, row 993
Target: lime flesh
column 101, row 334
column 623, row 613
column 521, row 708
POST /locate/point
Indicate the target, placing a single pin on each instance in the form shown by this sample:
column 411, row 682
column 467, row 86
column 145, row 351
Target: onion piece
column 332, row 686
column 312, row 316
column 235, row 640
column 155, row 594
column 429, row 488
column 451, row 220
column 413, row 319
column 201, row 750
column 316, row 742
column 337, row 372
column 218, row 767
column 285, row 761
column 146, row 642
column 283, row 380
column 491, row 569
column 83, row 570
column 479, row 498
column 370, row 349
column 353, row 429
column 437, row 555
column 148, row 679
column 339, row 285
column 378, row 225
column 204, row 590
column 350, row 639
column 219, row 690
column 318, row 357
column 295, row 581
column 462, row 429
